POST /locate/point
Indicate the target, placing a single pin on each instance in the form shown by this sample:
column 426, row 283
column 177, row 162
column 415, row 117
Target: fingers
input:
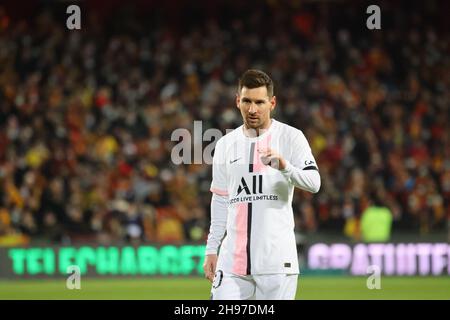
column 210, row 273
column 270, row 157
column 266, row 155
column 206, row 270
column 213, row 271
column 265, row 152
column 209, row 268
column 275, row 162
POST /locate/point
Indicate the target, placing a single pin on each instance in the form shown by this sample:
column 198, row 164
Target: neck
column 256, row 132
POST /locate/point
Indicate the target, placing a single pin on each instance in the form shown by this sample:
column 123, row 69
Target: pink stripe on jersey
column 240, row 248
column 219, row 192
column 263, row 144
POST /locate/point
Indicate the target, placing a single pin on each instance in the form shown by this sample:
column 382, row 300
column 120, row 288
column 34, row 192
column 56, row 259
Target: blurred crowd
column 86, row 118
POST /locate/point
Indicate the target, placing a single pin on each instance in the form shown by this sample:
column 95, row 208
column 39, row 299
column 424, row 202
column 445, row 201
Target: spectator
column 376, row 221
column 86, row 117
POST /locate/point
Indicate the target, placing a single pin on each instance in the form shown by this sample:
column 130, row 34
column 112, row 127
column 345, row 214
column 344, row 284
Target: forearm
column 308, row 180
column 219, row 212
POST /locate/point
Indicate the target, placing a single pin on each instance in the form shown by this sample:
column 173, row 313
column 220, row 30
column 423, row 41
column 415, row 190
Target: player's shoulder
column 229, row 138
column 288, row 130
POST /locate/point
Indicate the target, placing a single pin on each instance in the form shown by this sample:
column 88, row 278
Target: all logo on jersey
column 254, row 188
column 251, row 189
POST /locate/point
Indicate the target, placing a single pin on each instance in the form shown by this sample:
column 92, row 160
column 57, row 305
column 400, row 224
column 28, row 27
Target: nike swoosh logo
column 233, row 161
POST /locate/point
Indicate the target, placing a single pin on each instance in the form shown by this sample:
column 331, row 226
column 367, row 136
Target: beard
column 253, row 123
column 255, row 126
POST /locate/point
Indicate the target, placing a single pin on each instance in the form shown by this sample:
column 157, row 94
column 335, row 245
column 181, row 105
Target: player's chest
column 244, row 158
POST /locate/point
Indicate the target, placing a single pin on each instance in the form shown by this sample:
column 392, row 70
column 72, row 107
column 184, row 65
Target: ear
column 238, row 101
column 273, row 102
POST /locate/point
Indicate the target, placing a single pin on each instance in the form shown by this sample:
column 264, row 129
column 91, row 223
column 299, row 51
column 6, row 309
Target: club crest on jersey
column 255, row 187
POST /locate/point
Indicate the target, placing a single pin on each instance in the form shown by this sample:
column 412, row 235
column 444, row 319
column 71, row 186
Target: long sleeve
column 307, row 179
column 219, row 212
column 301, row 169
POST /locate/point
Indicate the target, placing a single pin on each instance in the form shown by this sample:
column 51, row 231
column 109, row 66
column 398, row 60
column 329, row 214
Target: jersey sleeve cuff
column 210, row 251
column 220, row 192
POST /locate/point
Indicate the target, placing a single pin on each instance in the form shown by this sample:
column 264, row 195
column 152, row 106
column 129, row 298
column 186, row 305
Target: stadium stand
column 86, row 116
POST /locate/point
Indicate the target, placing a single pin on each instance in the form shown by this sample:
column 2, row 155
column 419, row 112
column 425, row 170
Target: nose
column 253, row 108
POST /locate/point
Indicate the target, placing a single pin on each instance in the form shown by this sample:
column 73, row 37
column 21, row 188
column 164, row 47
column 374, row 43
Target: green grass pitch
column 309, row 287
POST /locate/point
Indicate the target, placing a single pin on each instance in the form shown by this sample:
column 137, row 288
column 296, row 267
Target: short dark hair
column 253, row 78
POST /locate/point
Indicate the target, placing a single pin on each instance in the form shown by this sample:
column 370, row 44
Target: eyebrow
column 256, row 100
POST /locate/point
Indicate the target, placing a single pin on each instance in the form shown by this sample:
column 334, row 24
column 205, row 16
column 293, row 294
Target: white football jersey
column 260, row 223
